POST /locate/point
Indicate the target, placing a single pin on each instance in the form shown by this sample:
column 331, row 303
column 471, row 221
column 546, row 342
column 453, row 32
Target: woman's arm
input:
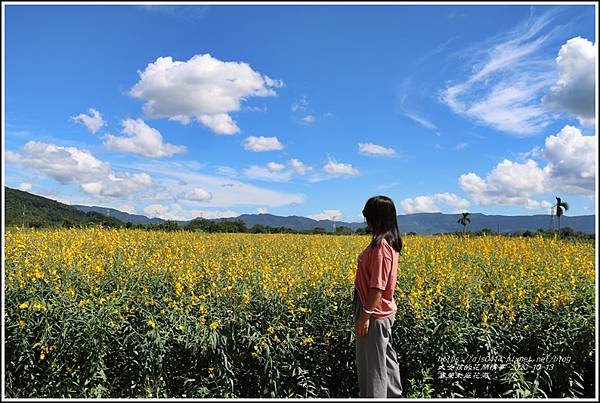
column 373, row 300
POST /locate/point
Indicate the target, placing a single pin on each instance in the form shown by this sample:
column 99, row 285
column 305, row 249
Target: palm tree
column 464, row 220
column 560, row 205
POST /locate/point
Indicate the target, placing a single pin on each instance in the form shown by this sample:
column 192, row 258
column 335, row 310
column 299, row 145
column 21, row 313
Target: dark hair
column 380, row 213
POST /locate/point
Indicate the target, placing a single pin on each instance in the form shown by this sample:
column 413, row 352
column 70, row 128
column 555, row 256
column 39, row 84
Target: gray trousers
column 376, row 360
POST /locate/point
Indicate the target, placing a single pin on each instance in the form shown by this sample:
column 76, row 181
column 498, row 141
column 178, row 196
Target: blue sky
column 186, row 111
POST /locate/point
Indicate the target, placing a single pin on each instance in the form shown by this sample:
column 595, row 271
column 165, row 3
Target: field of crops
column 133, row 313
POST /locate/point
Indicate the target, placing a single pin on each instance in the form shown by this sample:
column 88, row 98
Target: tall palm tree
column 560, row 206
column 464, row 220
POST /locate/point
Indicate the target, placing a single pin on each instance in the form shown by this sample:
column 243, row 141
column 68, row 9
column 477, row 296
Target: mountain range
column 22, row 206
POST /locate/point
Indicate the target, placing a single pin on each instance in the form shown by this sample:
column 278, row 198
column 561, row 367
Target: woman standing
column 374, row 306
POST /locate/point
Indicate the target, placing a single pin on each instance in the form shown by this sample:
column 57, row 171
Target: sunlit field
column 133, row 313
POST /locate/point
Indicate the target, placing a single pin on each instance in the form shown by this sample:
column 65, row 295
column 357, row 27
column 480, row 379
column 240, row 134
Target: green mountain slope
column 22, row 208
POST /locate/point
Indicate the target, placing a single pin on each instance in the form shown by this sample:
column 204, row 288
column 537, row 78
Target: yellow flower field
column 134, row 313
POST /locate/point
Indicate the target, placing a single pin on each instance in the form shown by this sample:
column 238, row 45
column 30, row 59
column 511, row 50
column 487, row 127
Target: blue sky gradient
column 441, row 107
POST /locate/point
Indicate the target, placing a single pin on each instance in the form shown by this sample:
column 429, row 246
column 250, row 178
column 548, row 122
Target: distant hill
column 120, row 215
column 431, row 223
column 45, row 210
column 22, row 208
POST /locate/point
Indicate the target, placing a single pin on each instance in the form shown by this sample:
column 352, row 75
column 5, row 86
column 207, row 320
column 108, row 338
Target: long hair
column 380, row 213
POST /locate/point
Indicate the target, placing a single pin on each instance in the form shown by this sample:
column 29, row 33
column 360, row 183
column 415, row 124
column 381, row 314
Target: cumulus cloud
column 570, row 170
column 508, row 76
column 262, row 210
column 71, row 165
column 214, row 214
column 261, row 143
column 202, row 88
column 176, row 212
column 126, row 208
column 118, row 184
column 195, row 194
column 572, row 159
column 172, row 212
column 93, row 121
column 374, row 149
column 275, row 167
column 429, row 203
column 141, row 139
column 25, row 186
column 574, row 91
column 338, row 168
column 220, row 123
column 298, row 166
column 67, row 165
column 334, row 215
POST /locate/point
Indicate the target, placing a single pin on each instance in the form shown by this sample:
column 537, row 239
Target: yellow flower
column 152, row 323
column 308, row 340
column 24, row 305
column 214, row 325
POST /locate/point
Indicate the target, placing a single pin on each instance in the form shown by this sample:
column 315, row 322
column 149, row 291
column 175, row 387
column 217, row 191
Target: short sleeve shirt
column 378, row 268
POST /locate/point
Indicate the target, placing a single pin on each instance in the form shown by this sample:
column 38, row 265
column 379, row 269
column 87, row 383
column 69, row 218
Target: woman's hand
column 362, row 325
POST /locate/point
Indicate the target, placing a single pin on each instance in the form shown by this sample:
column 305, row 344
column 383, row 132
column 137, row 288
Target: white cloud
column 93, row 122
column 256, row 172
column 572, row 162
column 67, row 165
column 535, row 153
column 141, row 139
column 195, row 194
column 338, row 168
column 574, row 90
column 171, row 212
column 300, row 105
column 374, row 149
column 327, row 215
column 570, row 170
column 225, row 192
column 460, row 146
column 419, row 119
column 508, row 183
column 298, row 166
column 507, row 80
column 261, row 143
column 429, row 203
column 118, row 184
column 203, row 88
column 220, row 123
column 213, row 214
column 176, row 212
column 308, row 119
column 275, row 167
column 227, row 171
column 70, row 165
column 126, row 208
column 25, row 186
column 262, row 210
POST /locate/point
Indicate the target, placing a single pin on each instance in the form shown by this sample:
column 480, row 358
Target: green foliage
column 24, row 209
